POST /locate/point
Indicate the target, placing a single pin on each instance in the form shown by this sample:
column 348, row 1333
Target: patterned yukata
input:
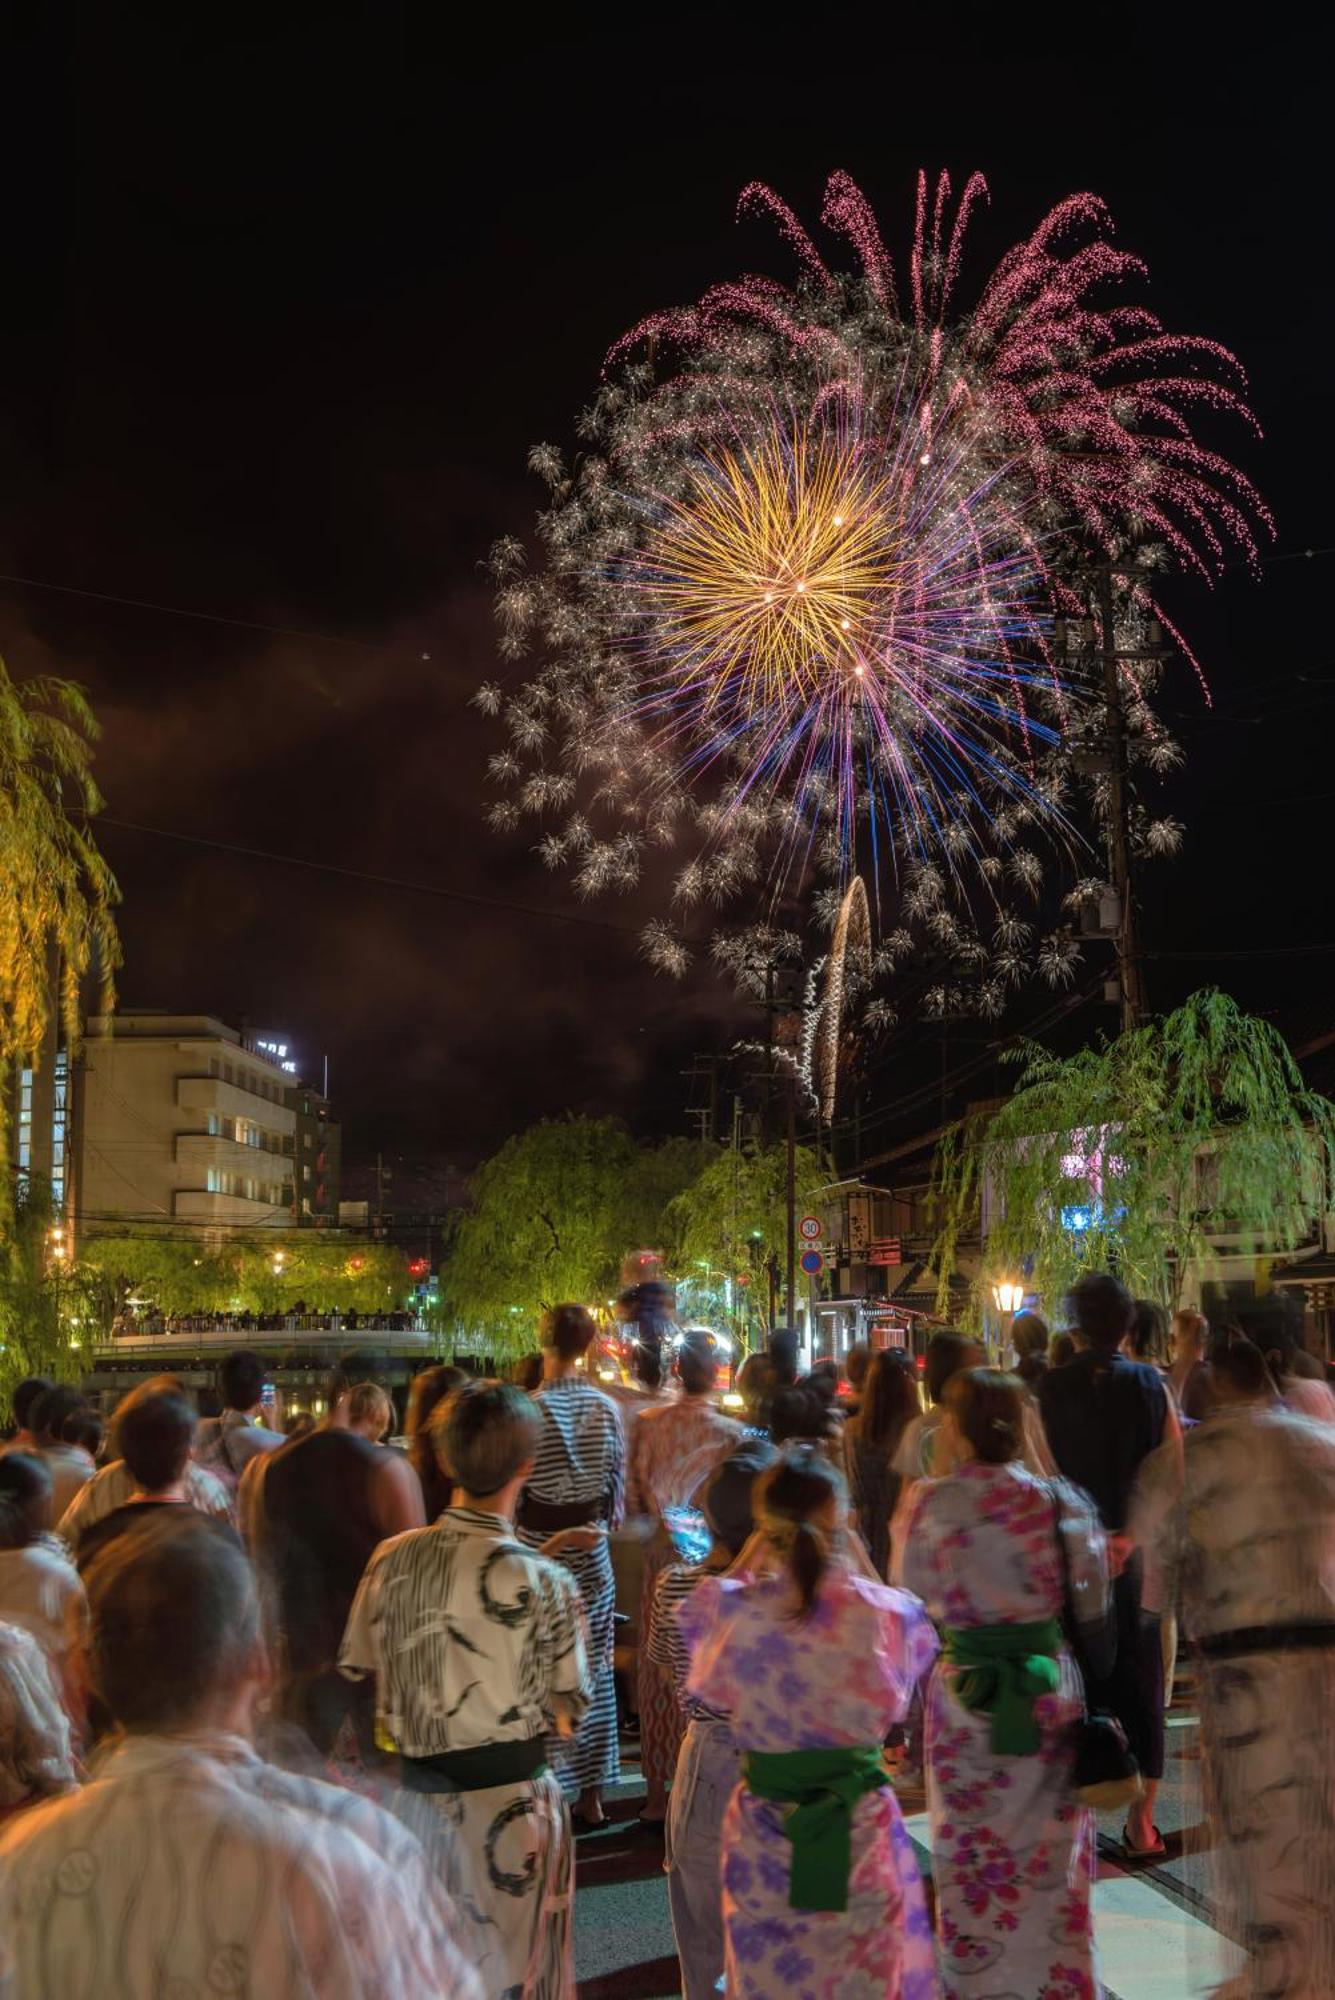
column 1013, row 1848
column 581, row 1457
column 836, row 1679
column 674, row 1446
column 473, row 1640
column 189, row 1866
column 114, row 1485
column 1247, row 1545
column 36, row 1759
column 707, row 1773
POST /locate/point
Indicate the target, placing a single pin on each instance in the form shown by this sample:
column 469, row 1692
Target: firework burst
column 806, row 597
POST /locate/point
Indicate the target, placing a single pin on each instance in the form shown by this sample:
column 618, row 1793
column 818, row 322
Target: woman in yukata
column 814, row 1659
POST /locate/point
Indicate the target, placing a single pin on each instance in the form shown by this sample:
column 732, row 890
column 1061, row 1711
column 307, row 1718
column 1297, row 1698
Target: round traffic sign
column 812, row 1261
column 809, row 1229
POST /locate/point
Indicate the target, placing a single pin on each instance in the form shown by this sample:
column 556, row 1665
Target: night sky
column 286, row 305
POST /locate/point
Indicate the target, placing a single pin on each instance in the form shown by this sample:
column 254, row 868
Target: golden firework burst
column 774, row 572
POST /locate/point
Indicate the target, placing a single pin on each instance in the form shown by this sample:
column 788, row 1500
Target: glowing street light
column 1009, row 1298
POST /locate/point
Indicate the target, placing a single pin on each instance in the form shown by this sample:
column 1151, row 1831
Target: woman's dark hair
column 755, row 1386
column 1029, row 1334
column 889, row 1400
column 429, row 1390
column 787, row 1497
column 25, row 1499
column 856, row 1363
column 1149, row 1330
column 568, row 1330
column 241, row 1379
column 527, row 1373
column 796, row 1415
column 947, row 1353
column 988, row 1406
column 646, row 1362
column 157, row 1428
column 84, row 1427
column 46, row 1419
column 1063, row 1350
column 697, row 1364
column 25, row 1395
column 1243, row 1366
column 1103, row 1309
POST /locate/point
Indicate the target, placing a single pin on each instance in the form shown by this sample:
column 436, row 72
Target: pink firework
column 1095, row 399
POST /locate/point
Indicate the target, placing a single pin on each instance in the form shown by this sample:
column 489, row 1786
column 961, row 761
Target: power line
column 1258, row 951
column 435, row 889
column 202, row 617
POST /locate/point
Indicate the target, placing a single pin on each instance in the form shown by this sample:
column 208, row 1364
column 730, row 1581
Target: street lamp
column 58, row 1251
column 1009, row 1297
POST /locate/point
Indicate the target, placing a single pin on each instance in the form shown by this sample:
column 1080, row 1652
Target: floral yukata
column 1013, row 1848
column 838, row 1678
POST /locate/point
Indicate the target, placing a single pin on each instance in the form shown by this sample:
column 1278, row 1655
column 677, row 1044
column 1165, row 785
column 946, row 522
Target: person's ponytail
column 806, row 1560
column 791, row 1498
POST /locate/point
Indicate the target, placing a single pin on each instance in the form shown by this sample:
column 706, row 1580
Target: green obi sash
column 1001, row 1672
column 822, row 1787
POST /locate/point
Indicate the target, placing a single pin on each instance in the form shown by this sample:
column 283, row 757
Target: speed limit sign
column 809, row 1229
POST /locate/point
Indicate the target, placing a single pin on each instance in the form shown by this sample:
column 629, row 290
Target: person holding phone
column 225, row 1445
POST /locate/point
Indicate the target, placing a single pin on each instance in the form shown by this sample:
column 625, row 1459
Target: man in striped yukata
column 480, row 1653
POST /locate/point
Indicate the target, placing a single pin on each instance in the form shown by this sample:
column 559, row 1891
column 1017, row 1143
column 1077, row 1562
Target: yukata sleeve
column 616, row 1449
column 915, row 1553
column 566, row 1647
column 705, row 1624
column 1156, row 1522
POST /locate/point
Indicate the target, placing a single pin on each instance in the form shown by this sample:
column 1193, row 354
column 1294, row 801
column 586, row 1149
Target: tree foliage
column 56, row 891
column 552, row 1215
column 734, row 1215
column 1196, row 1125
column 269, row 1273
column 30, row 1316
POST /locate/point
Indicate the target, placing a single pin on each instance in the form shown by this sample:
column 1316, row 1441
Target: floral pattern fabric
column 839, row 1678
column 1013, row 1848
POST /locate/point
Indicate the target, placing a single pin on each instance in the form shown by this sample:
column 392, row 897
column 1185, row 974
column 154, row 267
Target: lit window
column 215, row 1125
column 25, row 1120
column 60, row 1102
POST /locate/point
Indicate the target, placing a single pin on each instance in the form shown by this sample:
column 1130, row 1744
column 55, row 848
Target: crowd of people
column 285, row 1709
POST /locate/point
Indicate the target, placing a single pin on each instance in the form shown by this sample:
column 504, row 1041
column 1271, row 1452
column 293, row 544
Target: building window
column 215, row 1067
column 213, row 1180
column 59, row 1118
column 25, row 1120
column 215, row 1125
column 228, row 1073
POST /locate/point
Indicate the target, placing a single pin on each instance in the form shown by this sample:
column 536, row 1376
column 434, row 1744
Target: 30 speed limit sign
column 809, row 1229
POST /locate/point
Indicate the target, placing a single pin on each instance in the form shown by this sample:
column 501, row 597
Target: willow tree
column 56, row 891
column 56, row 930
column 1137, row 1154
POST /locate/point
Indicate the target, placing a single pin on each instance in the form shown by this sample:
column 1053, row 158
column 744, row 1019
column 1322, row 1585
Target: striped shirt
column 472, row 1637
column 581, row 1455
column 667, row 1641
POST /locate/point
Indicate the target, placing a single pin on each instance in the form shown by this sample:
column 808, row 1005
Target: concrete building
column 178, row 1119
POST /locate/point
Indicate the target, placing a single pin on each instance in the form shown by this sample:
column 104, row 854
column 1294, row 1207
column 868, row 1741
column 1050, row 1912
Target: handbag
column 1104, row 1773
